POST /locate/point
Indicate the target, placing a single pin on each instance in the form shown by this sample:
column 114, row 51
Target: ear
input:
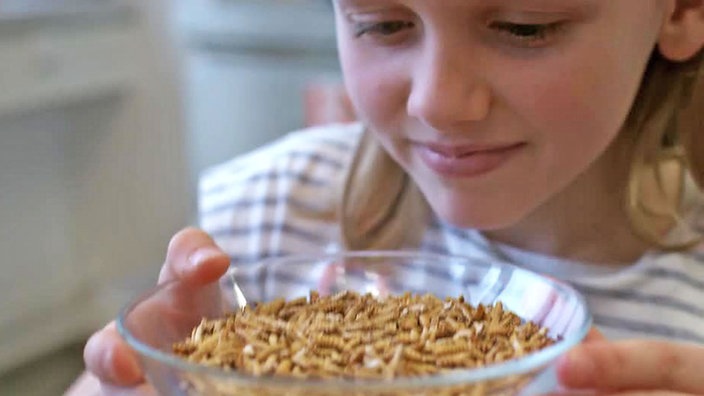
column 682, row 35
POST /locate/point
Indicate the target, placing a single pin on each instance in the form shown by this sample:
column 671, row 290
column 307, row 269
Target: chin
column 476, row 216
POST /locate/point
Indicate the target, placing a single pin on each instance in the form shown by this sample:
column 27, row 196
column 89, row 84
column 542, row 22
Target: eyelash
column 385, row 29
column 531, row 34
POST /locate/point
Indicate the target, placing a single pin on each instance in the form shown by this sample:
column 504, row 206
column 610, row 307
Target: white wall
column 90, row 194
column 247, row 67
column 133, row 178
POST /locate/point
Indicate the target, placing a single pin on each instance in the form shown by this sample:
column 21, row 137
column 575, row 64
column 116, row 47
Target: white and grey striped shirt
column 251, row 205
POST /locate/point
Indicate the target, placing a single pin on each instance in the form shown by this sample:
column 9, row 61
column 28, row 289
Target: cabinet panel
column 53, row 71
column 42, row 65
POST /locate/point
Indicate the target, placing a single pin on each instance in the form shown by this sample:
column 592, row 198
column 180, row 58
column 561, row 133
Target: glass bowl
column 167, row 314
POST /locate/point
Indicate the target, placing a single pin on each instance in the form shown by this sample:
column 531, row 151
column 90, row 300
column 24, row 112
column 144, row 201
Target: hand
column 193, row 258
column 634, row 368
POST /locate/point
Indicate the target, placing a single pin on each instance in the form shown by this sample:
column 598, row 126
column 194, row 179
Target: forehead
column 592, row 6
column 608, row 14
column 474, row 3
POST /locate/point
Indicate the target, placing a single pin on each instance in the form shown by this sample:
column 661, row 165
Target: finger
column 648, row 393
column 110, row 359
column 594, row 335
column 89, row 385
column 141, row 390
column 646, row 365
column 629, row 393
column 193, row 256
column 86, row 384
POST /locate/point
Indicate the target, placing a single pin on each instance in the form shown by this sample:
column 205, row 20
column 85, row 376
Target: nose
column 447, row 90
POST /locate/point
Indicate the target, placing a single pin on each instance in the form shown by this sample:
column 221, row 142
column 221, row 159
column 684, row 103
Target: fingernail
column 132, row 371
column 202, row 255
column 124, row 371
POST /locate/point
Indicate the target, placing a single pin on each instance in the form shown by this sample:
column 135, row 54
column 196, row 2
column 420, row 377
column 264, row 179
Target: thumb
column 109, row 358
column 140, row 390
column 594, row 335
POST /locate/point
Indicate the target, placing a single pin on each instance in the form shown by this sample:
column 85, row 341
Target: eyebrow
column 582, row 10
column 580, row 4
column 583, row 7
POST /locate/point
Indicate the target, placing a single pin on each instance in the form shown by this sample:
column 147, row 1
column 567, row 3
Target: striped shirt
column 253, row 205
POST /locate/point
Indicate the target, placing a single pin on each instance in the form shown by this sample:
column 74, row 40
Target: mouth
column 467, row 150
column 469, row 160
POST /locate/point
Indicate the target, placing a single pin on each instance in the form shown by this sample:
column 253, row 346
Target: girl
column 563, row 135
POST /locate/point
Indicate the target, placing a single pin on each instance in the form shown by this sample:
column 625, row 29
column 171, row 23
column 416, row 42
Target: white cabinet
column 248, row 64
column 45, row 60
column 92, row 179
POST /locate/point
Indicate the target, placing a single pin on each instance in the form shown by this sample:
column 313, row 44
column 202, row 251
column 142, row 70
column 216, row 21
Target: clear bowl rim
column 511, row 367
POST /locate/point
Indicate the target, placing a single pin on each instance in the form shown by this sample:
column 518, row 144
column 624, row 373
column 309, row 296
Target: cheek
column 378, row 93
column 580, row 110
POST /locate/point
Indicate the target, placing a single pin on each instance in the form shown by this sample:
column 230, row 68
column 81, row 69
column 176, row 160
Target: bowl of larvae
column 356, row 323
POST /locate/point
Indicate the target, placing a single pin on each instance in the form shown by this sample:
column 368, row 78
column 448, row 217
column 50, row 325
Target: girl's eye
column 528, row 34
column 383, row 29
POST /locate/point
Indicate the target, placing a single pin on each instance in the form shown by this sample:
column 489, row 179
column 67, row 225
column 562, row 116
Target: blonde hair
column 381, row 207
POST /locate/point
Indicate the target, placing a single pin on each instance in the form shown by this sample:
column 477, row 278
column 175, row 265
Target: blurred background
column 109, row 109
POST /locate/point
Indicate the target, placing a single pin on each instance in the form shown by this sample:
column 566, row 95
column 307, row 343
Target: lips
column 466, row 160
column 465, row 150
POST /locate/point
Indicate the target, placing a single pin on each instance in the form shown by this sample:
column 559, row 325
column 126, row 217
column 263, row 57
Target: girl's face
column 494, row 107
